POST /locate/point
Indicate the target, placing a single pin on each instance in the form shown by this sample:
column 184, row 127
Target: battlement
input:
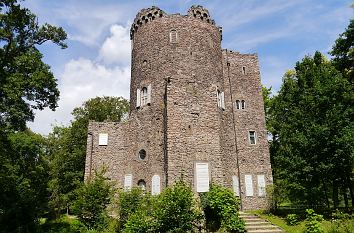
column 200, row 12
column 152, row 13
column 145, row 16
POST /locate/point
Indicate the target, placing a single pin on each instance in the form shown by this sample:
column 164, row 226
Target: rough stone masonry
column 196, row 113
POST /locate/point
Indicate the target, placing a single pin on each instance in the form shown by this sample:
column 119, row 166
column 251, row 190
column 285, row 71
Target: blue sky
column 97, row 61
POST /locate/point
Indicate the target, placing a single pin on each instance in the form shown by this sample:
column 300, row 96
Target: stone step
column 266, row 231
column 258, row 222
column 255, row 224
column 262, row 227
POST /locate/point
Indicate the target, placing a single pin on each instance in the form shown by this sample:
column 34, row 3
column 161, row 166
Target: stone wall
column 179, row 59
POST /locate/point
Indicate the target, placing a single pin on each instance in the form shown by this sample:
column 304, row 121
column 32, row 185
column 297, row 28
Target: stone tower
column 196, row 112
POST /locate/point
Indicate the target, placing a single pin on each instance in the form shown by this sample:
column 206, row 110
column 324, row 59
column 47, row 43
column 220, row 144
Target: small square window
column 103, row 139
column 252, row 137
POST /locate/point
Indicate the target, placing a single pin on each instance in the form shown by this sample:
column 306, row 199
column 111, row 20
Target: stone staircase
column 255, row 224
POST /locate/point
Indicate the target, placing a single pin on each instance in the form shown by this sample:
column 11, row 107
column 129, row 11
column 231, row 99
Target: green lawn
column 344, row 226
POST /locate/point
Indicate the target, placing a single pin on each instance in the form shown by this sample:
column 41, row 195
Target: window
column 173, row 36
column 243, row 104
column 142, row 184
column 221, row 99
column 143, row 96
column 238, row 104
column 235, row 186
column 155, row 185
column 128, row 182
column 103, row 139
column 243, row 70
column 252, row 137
column 261, row 185
column 142, row 154
column 249, row 185
column 202, row 177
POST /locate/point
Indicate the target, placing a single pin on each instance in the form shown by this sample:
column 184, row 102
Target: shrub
column 176, row 209
column 340, row 215
column 128, row 203
column 221, row 209
column 140, row 222
column 292, row 219
column 313, row 220
column 92, row 200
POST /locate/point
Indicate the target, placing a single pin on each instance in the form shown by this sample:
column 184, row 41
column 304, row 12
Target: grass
column 337, row 226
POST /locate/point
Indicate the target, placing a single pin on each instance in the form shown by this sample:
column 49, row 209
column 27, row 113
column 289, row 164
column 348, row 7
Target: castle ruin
column 196, row 114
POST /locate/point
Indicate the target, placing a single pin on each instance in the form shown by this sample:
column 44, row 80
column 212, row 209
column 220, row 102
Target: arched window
column 243, row 104
column 238, row 104
column 142, row 154
column 243, row 70
column 142, row 184
column 173, row 36
column 144, row 96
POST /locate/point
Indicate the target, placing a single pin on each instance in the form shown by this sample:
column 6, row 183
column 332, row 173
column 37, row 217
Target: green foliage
column 221, row 209
column 173, row 211
column 140, row 222
column 339, row 215
column 313, row 140
column 292, row 219
column 92, row 200
column 26, row 82
column 67, row 148
column 128, row 203
column 23, row 181
column 313, row 220
column 343, row 52
column 176, row 210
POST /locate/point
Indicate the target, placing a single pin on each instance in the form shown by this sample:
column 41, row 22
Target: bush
column 128, row 203
column 176, row 209
column 140, row 222
column 221, row 209
column 92, row 200
column 313, row 220
column 292, row 219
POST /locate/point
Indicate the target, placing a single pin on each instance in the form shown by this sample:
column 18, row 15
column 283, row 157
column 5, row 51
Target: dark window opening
column 142, row 184
column 142, row 154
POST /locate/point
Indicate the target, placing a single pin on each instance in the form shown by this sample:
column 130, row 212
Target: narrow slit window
column 252, row 137
column 144, row 96
column 238, row 105
column 243, row 104
column 173, row 36
column 243, row 70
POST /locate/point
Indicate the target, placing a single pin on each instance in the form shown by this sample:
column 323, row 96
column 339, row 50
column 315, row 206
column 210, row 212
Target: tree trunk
column 344, row 192
column 350, row 186
column 326, row 194
column 335, row 194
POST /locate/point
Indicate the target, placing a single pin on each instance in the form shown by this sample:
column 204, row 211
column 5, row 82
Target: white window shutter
column 222, row 100
column 236, row 186
column 249, row 185
column 149, row 94
column 202, row 177
column 155, row 186
column 138, row 98
column 261, row 185
column 103, row 139
column 128, row 180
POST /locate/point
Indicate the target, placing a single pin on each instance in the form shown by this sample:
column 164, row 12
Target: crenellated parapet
column 144, row 17
column 200, row 12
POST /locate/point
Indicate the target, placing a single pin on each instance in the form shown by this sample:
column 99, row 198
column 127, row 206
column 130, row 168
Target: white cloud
column 81, row 80
column 116, row 49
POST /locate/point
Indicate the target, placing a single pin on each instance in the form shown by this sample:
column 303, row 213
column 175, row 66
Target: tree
column 23, row 181
column 313, row 141
column 26, row 82
column 343, row 52
column 92, row 200
column 68, row 148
